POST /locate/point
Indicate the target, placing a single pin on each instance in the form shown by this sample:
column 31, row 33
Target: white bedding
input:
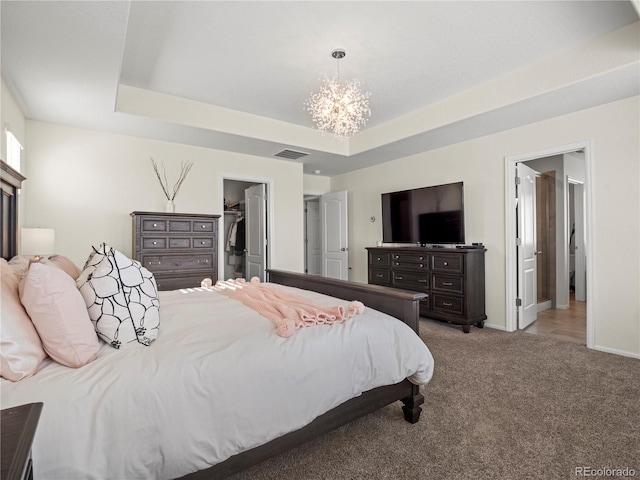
column 217, row 381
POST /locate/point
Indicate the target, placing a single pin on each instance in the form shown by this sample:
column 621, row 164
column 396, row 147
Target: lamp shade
column 37, row 241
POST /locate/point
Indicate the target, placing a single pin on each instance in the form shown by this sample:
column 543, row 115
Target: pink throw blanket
column 287, row 311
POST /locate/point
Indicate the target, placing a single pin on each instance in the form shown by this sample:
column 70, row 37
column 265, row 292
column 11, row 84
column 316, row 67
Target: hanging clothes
column 232, row 236
column 236, row 242
column 240, row 240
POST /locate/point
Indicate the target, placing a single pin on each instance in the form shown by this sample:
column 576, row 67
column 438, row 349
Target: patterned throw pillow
column 121, row 297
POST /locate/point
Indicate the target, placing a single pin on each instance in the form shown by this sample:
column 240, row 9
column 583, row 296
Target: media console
column 452, row 278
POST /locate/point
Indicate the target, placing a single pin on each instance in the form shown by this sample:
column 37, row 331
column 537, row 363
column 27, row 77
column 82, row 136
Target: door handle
column 539, row 253
column 343, row 249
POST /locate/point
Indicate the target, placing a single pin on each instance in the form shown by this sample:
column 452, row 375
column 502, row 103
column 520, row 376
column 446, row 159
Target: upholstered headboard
column 11, row 182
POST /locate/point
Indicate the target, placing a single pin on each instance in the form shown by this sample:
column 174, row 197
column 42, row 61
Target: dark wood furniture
column 18, row 425
column 179, row 249
column 400, row 304
column 452, row 279
column 10, row 181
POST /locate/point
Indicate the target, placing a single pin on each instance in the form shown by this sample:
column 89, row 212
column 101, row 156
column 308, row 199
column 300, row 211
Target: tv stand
column 452, row 278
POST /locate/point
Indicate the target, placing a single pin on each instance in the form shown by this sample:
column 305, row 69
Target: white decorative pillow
column 121, row 297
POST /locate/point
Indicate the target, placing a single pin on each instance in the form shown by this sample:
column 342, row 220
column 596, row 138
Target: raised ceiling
column 234, row 75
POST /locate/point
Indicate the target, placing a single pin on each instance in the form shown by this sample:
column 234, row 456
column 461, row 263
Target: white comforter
column 217, row 381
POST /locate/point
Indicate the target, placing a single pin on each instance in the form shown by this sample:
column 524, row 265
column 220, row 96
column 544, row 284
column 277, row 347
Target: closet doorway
column 245, row 230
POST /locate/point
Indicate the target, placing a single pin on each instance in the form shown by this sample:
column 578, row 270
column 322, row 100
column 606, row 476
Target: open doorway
column 561, row 223
column 245, row 229
column 312, row 236
column 326, row 235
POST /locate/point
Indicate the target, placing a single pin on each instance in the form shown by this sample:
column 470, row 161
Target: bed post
column 411, row 408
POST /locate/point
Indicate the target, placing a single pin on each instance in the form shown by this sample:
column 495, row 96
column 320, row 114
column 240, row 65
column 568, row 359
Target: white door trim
column 270, row 189
column 510, row 231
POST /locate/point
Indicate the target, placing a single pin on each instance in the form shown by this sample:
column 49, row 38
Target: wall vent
column 290, row 154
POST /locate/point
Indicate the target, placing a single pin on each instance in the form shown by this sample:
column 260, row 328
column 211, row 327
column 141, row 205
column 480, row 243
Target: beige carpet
column 500, row 406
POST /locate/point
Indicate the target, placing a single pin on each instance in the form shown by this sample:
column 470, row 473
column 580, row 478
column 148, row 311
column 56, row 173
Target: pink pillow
column 20, row 264
column 63, row 263
column 59, row 314
column 20, row 347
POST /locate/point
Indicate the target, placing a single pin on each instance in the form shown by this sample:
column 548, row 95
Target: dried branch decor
column 185, row 167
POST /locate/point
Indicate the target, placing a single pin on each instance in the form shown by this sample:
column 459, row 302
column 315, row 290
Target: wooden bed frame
column 401, row 304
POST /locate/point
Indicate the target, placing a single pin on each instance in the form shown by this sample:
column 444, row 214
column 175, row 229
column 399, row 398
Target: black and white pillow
column 121, row 297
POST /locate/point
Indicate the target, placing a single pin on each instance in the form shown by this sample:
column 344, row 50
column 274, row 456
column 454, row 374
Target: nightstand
column 18, row 425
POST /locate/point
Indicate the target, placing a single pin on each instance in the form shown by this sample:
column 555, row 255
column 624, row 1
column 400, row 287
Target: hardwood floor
column 568, row 324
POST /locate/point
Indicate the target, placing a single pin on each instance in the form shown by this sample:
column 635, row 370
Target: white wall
column 316, row 185
column 85, row 184
column 614, row 130
column 11, row 117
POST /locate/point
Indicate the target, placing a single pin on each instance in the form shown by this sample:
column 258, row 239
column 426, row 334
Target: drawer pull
column 203, row 226
column 379, row 259
column 421, row 265
column 379, row 275
column 203, row 261
column 154, row 263
column 447, row 284
column 398, row 278
column 422, row 280
column 447, row 304
column 202, row 243
column 421, row 258
column 155, row 243
column 445, row 263
column 155, row 224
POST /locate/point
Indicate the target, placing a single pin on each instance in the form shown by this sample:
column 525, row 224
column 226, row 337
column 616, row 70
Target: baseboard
column 496, row 326
column 615, row 351
column 542, row 306
column 597, row 347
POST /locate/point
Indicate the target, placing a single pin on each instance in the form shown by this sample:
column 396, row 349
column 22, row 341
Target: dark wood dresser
column 453, row 280
column 18, row 425
column 179, row 249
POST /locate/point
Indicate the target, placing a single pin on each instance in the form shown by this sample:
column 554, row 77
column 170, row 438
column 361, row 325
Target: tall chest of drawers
column 453, row 280
column 179, row 249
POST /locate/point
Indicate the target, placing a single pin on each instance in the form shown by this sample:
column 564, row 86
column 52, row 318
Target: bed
column 218, row 391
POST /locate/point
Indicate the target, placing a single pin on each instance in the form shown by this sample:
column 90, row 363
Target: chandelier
column 340, row 108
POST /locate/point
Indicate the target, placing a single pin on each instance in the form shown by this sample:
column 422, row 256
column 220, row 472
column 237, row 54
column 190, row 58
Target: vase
column 171, row 207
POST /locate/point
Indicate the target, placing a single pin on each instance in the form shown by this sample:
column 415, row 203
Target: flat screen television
column 426, row 216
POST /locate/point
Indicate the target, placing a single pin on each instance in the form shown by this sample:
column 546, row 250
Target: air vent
column 290, row 154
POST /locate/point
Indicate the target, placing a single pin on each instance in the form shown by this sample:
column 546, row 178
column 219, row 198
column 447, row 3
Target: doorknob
column 539, row 253
column 343, row 249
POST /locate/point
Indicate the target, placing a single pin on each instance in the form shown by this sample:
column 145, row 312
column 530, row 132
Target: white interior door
column 527, row 278
column 256, row 231
column 313, row 240
column 334, row 239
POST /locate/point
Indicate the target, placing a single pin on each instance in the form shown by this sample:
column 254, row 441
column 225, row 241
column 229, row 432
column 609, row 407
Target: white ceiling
column 68, row 62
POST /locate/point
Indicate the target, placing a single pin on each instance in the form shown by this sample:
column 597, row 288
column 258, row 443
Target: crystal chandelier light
column 340, row 108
